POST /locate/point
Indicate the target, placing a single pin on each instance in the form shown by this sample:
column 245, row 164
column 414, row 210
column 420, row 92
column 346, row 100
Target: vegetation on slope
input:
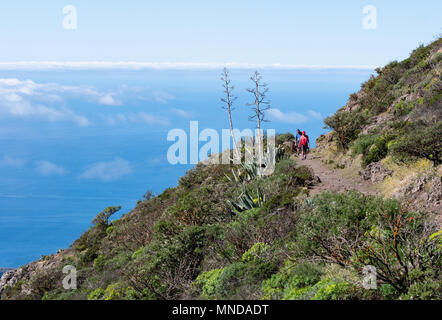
column 397, row 112
column 226, row 233
column 190, row 242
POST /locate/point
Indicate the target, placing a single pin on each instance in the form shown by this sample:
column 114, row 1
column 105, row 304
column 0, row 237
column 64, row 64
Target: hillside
column 390, row 131
column 368, row 195
column 3, row 270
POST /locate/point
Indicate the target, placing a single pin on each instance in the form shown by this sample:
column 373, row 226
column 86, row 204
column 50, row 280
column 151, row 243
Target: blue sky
column 248, row 31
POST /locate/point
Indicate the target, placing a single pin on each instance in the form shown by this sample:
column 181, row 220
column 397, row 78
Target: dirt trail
column 333, row 179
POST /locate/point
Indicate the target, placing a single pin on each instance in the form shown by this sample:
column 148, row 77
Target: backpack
column 303, row 141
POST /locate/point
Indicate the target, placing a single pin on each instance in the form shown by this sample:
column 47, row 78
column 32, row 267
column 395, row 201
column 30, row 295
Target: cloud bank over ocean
column 134, row 65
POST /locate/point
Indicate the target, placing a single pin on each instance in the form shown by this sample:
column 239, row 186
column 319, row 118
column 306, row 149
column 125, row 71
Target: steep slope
column 226, row 232
column 390, row 132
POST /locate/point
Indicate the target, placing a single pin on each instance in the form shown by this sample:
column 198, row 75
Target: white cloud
column 181, row 112
column 12, row 162
column 108, row 100
column 162, row 96
column 115, row 119
column 82, row 65
column 315, row 114
column 288, row 117
column 148, row 119
column 138, row 117
column 107, row 171
column 27, row 99
column 292, row 116
column 48, row 168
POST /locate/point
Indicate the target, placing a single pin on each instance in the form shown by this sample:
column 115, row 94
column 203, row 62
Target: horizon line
column 135, row 65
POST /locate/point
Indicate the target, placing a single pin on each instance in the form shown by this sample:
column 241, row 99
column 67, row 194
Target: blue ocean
column 73, row 142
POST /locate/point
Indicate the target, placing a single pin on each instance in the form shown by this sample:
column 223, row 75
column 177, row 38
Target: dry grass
column 404, row 174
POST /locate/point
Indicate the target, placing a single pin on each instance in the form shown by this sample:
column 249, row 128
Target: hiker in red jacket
column 304, row 145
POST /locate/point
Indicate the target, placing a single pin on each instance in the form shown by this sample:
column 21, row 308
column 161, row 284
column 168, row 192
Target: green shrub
column 168, row 264
column 137, row 252
column 362, row 144
column 109, row 230
column 256, row 253
column 231, row 280
column 239, row 280
column 373, row 147
column 99, row 262
column 102, row 219
column 97, row 294
column 426, row 285
column 282, row 199
column 354, row 230
column 395, row 244
column 403, row 108
column 421, row 141
column 196, row 207
column 88, row 255
column 207, row 282
column 114, row 291
column 332, row 291
column 346, row 125
column 378, row 150
column 291, row 281
column 388, row 291
column 333, row 216
column 419, row 54
column 281, row 138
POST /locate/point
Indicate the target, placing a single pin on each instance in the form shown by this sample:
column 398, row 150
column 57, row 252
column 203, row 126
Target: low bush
column 239, row 280
column 167, row 266
column 421, row 141
column 346, row 125
column 362, row 144
column 354, row 230
column 378, row 150
column 372, row 146
column 403, row 108
column 290, row 281
column 281, row 138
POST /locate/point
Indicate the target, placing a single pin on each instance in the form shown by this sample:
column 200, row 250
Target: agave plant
column 249, row 172
column 278, row 153
column 246, row 201
column 236, row 176
column 251, row 169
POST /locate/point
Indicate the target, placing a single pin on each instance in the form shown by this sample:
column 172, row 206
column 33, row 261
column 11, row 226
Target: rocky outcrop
column 376, row 172
column 10, row 278
column 21, row 278
column 423, row 193
column 314, row 182
column 4, row 270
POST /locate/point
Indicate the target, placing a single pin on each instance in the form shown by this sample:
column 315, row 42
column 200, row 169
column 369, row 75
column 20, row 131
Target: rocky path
column 334, row 179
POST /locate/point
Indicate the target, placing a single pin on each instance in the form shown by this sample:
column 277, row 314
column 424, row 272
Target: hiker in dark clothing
column 308, row 143
column 297, row 139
